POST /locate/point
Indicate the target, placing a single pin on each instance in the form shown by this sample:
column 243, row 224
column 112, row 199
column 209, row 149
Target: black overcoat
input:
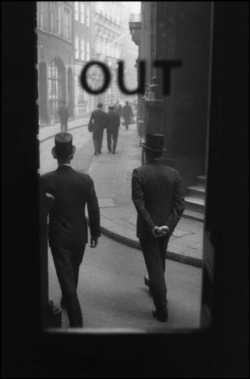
column 67, row 221
column 158, row 197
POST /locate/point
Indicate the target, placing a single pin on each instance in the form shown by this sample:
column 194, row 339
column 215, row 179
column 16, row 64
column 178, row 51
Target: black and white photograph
column 125, row 189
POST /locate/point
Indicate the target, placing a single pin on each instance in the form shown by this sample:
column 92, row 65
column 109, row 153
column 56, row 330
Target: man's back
column 113, row 120
column 98, row 118
column 72, row 190
column 156, row 188
column 127, row 110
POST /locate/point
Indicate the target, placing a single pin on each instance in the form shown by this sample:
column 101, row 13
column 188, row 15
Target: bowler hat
column 154, row 142
column 63, row 145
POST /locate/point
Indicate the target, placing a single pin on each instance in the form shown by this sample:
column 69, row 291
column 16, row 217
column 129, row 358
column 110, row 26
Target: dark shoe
column 161, row 316
column 96, row 153
column 113, row 152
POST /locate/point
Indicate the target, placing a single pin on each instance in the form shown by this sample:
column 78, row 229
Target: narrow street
column 111, row 286
column 112, row 293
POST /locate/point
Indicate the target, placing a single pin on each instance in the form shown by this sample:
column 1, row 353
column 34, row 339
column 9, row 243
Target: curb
column 196, row 262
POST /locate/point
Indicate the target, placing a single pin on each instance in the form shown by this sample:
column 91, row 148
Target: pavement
column 112, row 177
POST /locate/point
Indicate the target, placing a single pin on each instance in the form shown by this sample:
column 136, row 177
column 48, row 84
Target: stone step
column 194, row 215
column 197, row 192
column 201, row 180
column 195, row 204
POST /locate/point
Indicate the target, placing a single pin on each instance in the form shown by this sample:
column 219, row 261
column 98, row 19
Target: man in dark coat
column 97, row 124
column 68, row 235
column 64, row 116
column 158, row 197
column 127, row 114
column 113, row 123
column 118, row 108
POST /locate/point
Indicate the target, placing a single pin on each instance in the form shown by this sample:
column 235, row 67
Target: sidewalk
column 46, row 132
column 112, row 177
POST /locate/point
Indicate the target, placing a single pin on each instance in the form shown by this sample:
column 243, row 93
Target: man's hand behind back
column 160, row 231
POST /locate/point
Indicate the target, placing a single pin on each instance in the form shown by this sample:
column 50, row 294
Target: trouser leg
column 95, row 141
column 109, row 140
column 114, row 143
column 115, row 138
column 100, row 138
column 77, row 253
column 154, row 255
column 67, row 276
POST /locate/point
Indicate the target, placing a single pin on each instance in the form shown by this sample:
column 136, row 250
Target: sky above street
column 135, row 6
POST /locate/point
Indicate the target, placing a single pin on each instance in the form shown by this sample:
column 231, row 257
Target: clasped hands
column 160, row 231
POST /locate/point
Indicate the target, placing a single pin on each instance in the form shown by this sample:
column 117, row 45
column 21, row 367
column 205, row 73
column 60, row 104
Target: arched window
column 55, row 84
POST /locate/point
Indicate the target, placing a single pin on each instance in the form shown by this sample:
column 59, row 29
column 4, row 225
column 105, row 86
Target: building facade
column 177, row 31
column 83, row 52
column 129, row 53
column 106, row 47
column 55, row 51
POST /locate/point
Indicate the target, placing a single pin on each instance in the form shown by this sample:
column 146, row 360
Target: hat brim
column 65, row 156
column 163, row 149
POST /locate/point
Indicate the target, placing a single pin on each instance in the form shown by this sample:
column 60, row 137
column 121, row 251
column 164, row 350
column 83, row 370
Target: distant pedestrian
column 113, row 123
column 127, row 114
column 64, row 116
column 97, row 124
column 68, row 233
column 118, row 108
column 158, row 197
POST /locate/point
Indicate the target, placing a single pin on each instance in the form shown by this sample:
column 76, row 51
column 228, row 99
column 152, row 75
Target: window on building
column 40, row 15
column 82, row 12
column 98, row 6
column 54, row 87
column 57, row 18
column 52, row 16
column 87, row 15
column 76, row 10
column 76, row 47
column 88, row 51
column 82, row 50
column 67, row 24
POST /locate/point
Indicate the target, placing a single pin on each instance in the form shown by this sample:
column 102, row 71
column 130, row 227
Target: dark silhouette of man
column 118, row 108
column 127, row 114
column 158, row 197
column 97, row 124
column 71, row 191
column 113, row 123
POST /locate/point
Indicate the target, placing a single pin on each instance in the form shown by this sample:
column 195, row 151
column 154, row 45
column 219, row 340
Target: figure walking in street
column 68, row 235
column 158, row 197
column 113, row 123
column 118, row 108
column 127, row 114
column 64, row 116
column 97, row 124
